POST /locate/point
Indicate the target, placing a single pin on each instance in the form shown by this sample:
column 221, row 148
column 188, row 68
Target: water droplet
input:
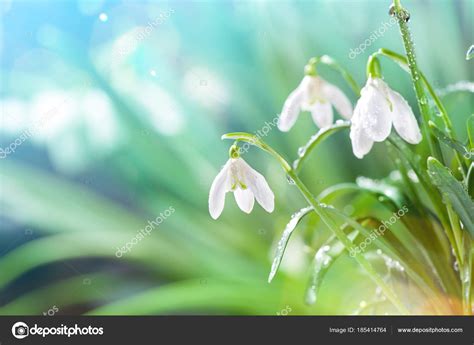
column 379, row 252
column 153, row 73
column 301, row 151
column 363, row 304
column 103, row 17
column 456, row 266
column 470, row 53
column 349, row 209
column 391, row 10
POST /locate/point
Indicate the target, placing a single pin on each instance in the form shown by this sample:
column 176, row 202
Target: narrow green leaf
column 320, row 136
column 187, row 295
column 453, row 193
column 285, row 237
column 470, row 181
column 470, row 53
column 470, row 132
column 381, row 188
column 454, row 144
column 322, row 262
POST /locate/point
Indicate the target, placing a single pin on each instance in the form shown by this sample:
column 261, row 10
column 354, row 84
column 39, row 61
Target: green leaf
column 322, row 262
column 320, row 136
column 470, row 131
column 470, row 53
column 453, row 193
column 454, row 144
column 285, row 237
column 382, row 188
column 187, row 295
column 470, row 181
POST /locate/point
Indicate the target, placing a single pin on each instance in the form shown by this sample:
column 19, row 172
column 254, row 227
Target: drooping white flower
column 377, row 109
column 316, row 95
column 247, row 185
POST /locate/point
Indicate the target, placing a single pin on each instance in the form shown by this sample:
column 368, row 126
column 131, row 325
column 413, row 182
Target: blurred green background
column 114, row 111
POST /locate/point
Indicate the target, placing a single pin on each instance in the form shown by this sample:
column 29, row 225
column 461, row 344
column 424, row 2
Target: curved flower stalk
column 316, row 95
column 377, row 109
column 246, row 183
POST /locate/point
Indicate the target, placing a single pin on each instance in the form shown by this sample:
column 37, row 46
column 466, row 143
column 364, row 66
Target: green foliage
column 454, row 193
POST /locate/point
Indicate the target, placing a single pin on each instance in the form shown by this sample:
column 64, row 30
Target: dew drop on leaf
column 301, row 151
column 456, row 266
column 470, row 53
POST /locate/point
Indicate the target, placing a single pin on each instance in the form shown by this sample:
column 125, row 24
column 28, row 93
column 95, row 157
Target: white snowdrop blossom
column 316, row 95
column 377, row 109
column 247, row 185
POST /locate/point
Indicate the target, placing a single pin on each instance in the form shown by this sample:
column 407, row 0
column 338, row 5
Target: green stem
column 329, row 61
column 373, row 67
column 315, row 140
column 402, row 17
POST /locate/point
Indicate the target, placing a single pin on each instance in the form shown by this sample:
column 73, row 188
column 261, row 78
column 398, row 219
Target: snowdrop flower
column 316, row 95
column 377, row 109
column 247, row 185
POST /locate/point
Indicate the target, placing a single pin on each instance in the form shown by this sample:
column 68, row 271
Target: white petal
column 218, row 190
column 375, row 114
column 291, row 110
column 322, row 114
column 244, row 199
column 404, row 120
column 259, row 186
column 338, row 99
column 311, row 87
column 361, row 143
